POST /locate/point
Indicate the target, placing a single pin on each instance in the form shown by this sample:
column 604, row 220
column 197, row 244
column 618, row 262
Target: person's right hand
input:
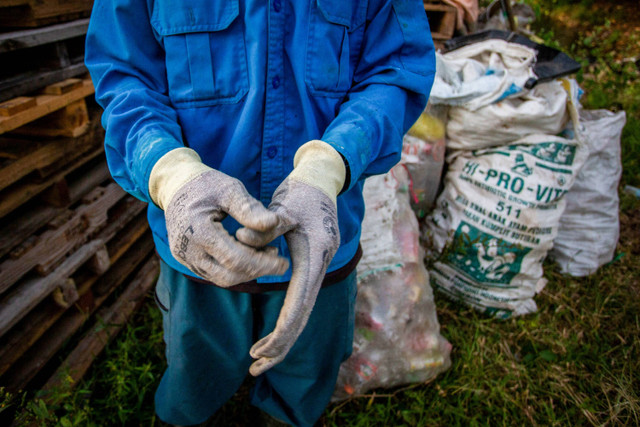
column 194, row 211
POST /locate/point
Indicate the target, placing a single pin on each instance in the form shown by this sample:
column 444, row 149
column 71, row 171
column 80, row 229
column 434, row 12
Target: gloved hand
column 306, row 205
column 196, row 198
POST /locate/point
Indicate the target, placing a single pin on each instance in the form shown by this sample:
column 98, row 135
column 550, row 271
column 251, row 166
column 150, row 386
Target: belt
column 253, row 287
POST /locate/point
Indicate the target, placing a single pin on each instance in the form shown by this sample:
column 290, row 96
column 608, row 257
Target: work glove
column 196, row 198
column 305, row 202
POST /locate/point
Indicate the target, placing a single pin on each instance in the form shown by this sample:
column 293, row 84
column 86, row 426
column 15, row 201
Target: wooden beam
column 36, row 79
column 34, row 13
column 62, row 87
column 100, row 262
column 20, row 301
column 70, row 121
column 15, row 196
column 46, row 104
column 9, row 3
column 16, row 105
column 66, row 294
column 23, row 39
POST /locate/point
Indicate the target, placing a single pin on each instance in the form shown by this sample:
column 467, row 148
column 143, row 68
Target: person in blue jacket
column 215, row 109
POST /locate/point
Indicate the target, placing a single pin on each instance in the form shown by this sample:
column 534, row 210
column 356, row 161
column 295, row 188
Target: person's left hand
column 305, row 202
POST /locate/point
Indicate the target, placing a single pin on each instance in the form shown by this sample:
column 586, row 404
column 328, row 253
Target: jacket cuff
column 149, row 149
column 353, row 144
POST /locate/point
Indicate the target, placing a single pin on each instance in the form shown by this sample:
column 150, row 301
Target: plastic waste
column 397, row 335
column 423, row 152
column 632, row 190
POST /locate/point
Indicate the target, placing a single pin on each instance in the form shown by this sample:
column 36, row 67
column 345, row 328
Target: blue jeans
column 208, row 332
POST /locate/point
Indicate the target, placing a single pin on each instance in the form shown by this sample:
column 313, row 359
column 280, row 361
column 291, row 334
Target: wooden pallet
column 45, row 335
column 64, row 234
column 72, row 240
column 442, row 20
column 35, row 214
column 126, row 245
column 20, row 157
column 45, row 176
column 32, row 59
column 53, row 98
column 35, row 13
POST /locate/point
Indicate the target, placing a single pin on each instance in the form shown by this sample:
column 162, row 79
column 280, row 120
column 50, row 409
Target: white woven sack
column 496, row 220
column 541, row 110
column 589, row 228
column 482, row 73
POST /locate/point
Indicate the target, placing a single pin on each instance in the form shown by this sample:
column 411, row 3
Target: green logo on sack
column 484, row 257
column 554, row 152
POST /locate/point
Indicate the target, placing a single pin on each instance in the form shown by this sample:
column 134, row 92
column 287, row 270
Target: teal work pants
column 208, row 332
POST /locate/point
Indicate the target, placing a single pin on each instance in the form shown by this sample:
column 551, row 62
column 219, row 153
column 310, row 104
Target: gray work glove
column 197, row 199
column 305, row 202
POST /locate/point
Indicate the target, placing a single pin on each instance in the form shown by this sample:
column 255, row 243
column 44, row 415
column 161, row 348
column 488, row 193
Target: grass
column 574, row 362
column 119, row 389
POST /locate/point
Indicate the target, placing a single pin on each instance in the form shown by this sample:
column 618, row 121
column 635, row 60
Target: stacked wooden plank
column 36, row 13
column 75, row 249
column 442, row 20
column 37, row 57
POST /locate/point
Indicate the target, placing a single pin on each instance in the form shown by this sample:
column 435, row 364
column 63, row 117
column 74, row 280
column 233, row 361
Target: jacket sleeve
column 127, row 67
column 390, row 88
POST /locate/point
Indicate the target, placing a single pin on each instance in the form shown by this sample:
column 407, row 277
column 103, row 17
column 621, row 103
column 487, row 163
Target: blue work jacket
column 246, row 82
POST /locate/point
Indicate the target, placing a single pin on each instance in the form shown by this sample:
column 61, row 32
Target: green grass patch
column 119, row 389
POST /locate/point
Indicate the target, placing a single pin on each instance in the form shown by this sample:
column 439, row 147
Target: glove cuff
column 171, row 172
column 319, row 165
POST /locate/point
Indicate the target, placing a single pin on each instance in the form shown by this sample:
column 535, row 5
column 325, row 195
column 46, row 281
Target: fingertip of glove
column 254, row 238
column 263, row 219
column 259, row 367
column 247, row 236
column 283, row 266
column 270, row 264
column 253, row 352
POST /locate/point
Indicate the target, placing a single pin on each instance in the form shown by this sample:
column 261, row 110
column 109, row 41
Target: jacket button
column 277, row 5
column 271, row 152
column 275, row 82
